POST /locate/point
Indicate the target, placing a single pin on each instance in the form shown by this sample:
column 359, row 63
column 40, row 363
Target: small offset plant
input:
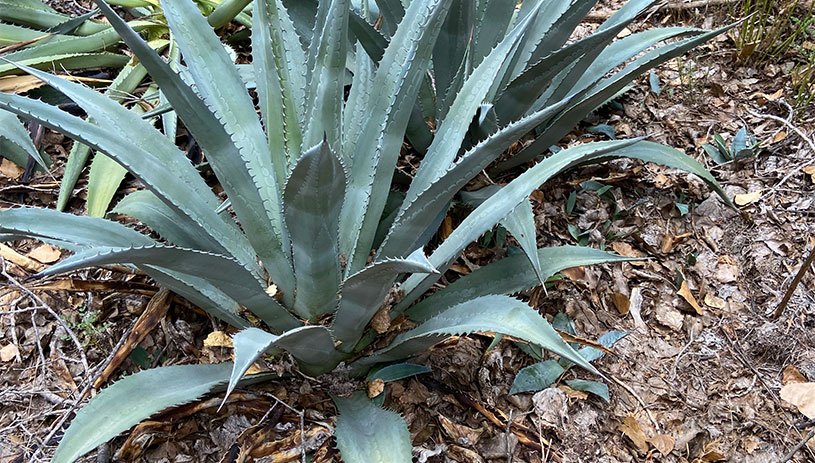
column 743, row 146
column 303, row 244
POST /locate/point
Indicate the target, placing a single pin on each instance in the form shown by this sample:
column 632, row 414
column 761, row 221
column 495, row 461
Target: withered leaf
column 684, row 291
column 632, row 430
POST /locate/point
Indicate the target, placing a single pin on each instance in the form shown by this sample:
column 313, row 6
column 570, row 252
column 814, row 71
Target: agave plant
column 318, row 241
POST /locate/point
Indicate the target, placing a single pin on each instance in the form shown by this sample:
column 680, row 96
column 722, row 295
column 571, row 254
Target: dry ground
column 689, row 384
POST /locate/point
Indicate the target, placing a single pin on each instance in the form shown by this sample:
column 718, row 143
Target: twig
column 801, row 134
column 45, row 306
column 795, row 281
column 798, row 447
column 634, row 394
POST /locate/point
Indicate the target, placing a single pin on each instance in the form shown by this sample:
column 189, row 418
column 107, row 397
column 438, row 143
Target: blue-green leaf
column 368, row 434
column 536, row 377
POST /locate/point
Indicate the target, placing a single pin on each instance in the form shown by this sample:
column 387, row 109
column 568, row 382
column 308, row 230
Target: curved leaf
column 499, row 314
column 133, row 399
column 313, row 198
column 224, row 273
column 15, row 132
column 368, row 434
column 508, row 276
column 311, row 346
column 363, row 293
column 396, row 84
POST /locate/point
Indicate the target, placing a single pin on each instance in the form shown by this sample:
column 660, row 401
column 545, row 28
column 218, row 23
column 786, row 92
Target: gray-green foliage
column 309, row 179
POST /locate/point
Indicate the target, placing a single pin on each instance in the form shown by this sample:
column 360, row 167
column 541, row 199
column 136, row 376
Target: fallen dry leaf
column 810, row 170
column 574, row 393
column 375, row 388
column 464, row 435
column 625, row 250
column 9, row 352
column 45, row 253
column 747, row 198
column 10, row 169
column 632, row 430
column 663, row 442
column 727, row 270
column 714, row 301
column 218, row 339
column 621, row 302
column 779, row 137
column 684, row 291
column 791, row 375
column 574, row 273
column 713, row 457
column 802, row 395
column 446, row 228
column 750, row 444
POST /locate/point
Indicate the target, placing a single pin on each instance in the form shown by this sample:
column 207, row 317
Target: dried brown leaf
column 632, row 430
column 684, row 291
column 802, row 395
column 663, row 442
column 791, row 375
column 747, row 198
column 218, row 339
column 376, row 387
column 45, row 253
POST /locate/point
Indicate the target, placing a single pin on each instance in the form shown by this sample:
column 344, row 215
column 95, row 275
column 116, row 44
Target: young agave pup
column 309, row 181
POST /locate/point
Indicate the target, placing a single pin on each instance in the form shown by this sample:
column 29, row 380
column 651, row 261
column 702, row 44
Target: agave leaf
column 452, row 47
column 146, row 393
column 363, row 293
column 529, row 85
column 274, row 52
column 15, row 132
column 248, row 177
column 601, row 91
column 30, row 4
column 70, row 61
column 125, row 82
column 34, row 16
column 451, row 133
column 200, row 292
column 10, row 34
column 550, row 14
column 417, row 216
column 325, row 90
column 520, row 223
column 536, row 377
column 499, row 314
column 398, row 371
column 224, row 273
column 311, row 346
column 81, row 231
column 396, row 85
column 493, row 18
column 355, row 112
column 313, row 198
column 151, row 211
column 558, row 33
column 368, row 434
column 105, row 174
column 69, row 26
column 508, row 276
column 392, row 12
column 169, row 175
column 498, row 205
column 63, row 45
